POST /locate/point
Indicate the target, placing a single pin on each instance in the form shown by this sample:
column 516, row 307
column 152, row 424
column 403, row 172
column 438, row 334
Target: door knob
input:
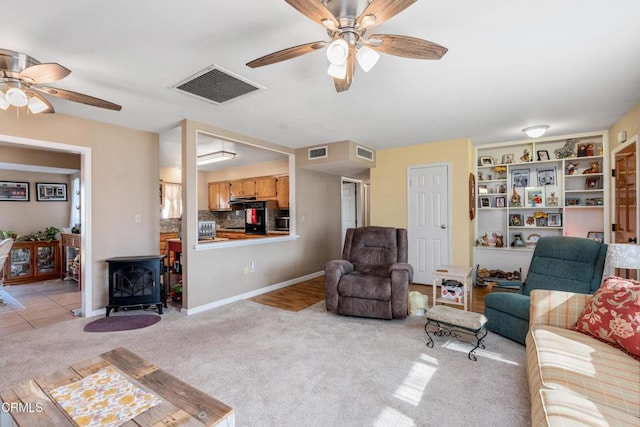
column 633, row 240
column 443, row 226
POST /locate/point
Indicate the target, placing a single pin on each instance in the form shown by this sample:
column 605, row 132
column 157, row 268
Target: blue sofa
column 570, row 264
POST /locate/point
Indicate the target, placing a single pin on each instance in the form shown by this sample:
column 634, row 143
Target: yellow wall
column 630, row 122
column 389, row 188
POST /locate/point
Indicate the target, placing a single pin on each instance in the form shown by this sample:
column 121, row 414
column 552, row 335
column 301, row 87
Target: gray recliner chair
column 372, row 278
column 570, row 264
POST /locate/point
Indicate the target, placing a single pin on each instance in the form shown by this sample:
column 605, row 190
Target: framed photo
column 596, row 235
column 554, row 220
column 543, row 155
column 534, row 197
column 530, row 221
column 592, row 183
column 51, row 192
column 482, row 189
column 520, row 177
column 484, row 202
column 546, row 176
column 507, row 159
column 485, row 161
column 11, row 191
column 515, row 220
column 501, row 202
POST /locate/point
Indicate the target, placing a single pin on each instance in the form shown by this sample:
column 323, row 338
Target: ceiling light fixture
column 535, row 131
column 36, row 105
column 16, row 97
column 217, row 156
column 4, row 104
column 367, row 58
column 337, row 54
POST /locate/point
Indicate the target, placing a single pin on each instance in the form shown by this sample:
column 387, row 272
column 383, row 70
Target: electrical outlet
column 246, row 270
column 253, row 266
column 137, row 218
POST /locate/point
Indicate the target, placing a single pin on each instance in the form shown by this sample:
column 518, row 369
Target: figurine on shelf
column 595, row 168
column 499, row 241
column 566, row 151
column 572, row 168
column 515, row 199
column 552, row 200
column 482, row 241
column 526, row 156
column 500, row 171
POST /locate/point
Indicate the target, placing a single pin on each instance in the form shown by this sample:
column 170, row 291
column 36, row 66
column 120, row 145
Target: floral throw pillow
column 613, row 315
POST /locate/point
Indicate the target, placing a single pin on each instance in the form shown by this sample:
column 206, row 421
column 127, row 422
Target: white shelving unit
column 556, row 186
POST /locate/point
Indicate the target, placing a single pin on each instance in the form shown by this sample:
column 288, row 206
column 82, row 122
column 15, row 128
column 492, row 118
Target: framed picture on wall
column 12, row 191
column 534, row 197
column 51, row 192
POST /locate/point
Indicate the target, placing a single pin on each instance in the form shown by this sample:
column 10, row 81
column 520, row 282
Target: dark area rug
column 122, row 323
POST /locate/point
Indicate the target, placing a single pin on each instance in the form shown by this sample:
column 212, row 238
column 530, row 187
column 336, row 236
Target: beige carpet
column 307, row 368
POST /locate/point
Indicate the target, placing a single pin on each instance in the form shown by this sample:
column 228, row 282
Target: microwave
column 282, row 223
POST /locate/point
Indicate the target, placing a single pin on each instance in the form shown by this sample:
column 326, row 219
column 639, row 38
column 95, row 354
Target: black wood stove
column 135, row 281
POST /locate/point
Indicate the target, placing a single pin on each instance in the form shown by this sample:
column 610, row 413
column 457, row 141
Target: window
column 172, row 200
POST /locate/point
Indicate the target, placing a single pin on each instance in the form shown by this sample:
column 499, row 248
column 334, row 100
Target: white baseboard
column 246, row 295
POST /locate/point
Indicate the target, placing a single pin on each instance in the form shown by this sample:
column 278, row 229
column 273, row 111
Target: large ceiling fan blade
column 382, row 10
column 343, row 85
column 78, row 97
column 407, row 47
column 284, row 54
column 44, row 73
column 314, row 10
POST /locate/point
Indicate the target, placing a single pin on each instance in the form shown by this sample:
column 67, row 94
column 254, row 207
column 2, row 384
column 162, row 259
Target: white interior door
column 349, row 206
column 429, row 220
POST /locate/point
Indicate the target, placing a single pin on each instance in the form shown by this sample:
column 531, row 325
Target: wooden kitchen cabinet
column 219, row 194
column 32, row 262
column 282, row 189
column 266, row 187
column 243, row 187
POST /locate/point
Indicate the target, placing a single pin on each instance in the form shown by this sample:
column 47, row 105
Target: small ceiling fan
column 21, row 80
column 349, row 42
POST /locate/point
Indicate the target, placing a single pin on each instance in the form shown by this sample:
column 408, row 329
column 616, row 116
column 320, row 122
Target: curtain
column 172, row 200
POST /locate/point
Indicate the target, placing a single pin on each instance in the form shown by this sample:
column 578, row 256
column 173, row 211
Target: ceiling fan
column 349, row 42
column 21, row 80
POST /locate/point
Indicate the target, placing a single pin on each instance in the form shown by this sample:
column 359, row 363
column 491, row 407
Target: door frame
column 633, row 140
column 449, row 167
column 359, row 203
column 86, row 257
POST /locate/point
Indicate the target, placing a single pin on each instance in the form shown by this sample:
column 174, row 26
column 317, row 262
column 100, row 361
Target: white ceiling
column 574, row 65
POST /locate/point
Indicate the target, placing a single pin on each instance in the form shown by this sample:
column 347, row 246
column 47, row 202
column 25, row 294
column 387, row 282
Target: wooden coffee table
column 30, row 404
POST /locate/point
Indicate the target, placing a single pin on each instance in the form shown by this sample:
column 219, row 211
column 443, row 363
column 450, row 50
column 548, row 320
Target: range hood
column 238, row 202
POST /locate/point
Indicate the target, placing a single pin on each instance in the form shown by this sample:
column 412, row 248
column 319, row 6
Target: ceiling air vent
column 217, row 85
column 364, row 153
column 318, row 153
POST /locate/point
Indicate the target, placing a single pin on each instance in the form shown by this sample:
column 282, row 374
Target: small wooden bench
column 453, row 322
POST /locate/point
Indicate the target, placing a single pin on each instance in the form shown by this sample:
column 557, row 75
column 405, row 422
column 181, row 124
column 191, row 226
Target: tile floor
column 45, row 303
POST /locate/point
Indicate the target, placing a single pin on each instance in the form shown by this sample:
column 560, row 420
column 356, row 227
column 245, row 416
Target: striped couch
column 575, row 379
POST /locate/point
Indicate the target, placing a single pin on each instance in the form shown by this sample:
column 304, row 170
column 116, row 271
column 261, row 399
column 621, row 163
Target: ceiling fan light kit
column 349, row 42
column 535, row 131
column 367, row 58
column 22, row 77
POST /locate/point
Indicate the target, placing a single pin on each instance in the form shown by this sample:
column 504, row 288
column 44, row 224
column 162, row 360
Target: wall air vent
column 364, row 153
column 217, row 85
column 318, row 153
